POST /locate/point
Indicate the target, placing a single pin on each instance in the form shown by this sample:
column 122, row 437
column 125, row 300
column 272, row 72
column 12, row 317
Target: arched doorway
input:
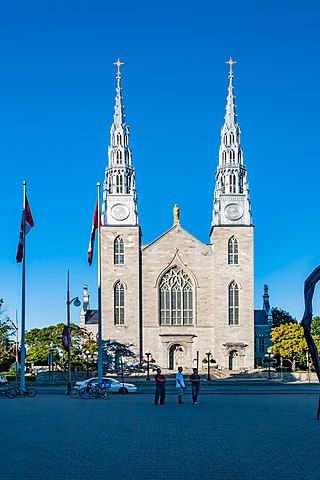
column 234, row 360
column 176, row 357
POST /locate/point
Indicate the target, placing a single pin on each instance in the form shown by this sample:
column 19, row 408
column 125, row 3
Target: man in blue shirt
column 180, row 385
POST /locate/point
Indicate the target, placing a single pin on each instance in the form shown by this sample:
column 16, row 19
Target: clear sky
column 57, row 89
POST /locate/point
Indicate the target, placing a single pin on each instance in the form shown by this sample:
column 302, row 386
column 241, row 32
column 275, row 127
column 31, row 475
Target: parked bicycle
column 9, row 392
column 96, row 390
column 27, row 391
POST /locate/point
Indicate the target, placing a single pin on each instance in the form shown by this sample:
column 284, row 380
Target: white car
column 115, row 386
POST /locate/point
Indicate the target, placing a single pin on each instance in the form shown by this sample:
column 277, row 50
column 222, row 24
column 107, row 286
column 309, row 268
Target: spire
column 266, row 303
column 119, row 193
column 231, row 115
column 118, row 117
column 231, row 174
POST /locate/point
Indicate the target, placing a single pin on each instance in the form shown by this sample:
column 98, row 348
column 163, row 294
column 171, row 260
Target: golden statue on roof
column 176, row 213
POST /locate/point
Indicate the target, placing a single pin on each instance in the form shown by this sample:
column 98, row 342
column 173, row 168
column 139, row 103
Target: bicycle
column 96, row 390
column 9, row 392
column 27, row 391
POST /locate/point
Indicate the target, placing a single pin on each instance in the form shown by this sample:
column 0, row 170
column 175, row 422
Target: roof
column 91, row 317
column 260, row 317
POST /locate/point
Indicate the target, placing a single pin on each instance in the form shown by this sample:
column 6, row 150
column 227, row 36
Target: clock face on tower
column 120, row 212
column 233, row 211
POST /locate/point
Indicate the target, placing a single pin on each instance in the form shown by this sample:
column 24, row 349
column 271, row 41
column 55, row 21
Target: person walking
column 160, row 387
column 180, row 385
column 195, row 380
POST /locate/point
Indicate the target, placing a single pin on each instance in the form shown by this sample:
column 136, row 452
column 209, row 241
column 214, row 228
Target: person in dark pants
column 195, row 380
column 160, row 387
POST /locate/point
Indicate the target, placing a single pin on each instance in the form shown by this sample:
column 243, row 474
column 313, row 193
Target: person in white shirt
column 180, row 385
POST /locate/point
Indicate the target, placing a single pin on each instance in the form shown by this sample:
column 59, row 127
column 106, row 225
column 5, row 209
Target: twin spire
column 231, row 174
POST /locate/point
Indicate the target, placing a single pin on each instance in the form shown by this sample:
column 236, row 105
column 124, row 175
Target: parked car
column 115, row 386
column 3, row 379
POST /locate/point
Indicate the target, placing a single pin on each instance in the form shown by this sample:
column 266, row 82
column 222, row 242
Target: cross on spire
column 118, row 63
column 231, row 62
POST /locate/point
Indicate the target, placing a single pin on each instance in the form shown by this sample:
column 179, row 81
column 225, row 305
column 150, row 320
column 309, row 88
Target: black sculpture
column 309, row 286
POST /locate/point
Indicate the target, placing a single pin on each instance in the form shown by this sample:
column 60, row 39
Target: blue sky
column 57, row 89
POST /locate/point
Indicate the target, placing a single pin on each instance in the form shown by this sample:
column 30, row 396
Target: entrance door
column 176, row 357
column 234, row 360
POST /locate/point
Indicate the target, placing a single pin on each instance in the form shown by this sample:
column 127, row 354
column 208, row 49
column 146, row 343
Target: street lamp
column 269, row 353
column 209, row 354
column 76, row 302
column 148, row 354
column 87, row 354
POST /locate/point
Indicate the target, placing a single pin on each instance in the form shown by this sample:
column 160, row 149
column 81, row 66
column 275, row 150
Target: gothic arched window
column 119, row 251
column 261, row 342
column 232, row 155
column 119, row 139
column 233, row 251
column 224, row 157
column 119, row 184
column 233, row 303
column 176, row 298
column 119, row 303
column 232, row 137
column 232, row 183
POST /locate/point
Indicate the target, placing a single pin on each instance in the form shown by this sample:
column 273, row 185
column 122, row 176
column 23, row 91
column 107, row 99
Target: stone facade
column 176, row 297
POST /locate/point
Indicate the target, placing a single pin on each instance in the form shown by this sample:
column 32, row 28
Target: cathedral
column 177, row 298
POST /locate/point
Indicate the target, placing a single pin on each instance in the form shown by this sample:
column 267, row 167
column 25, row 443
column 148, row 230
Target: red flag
column 93, row 233
column 26, row 224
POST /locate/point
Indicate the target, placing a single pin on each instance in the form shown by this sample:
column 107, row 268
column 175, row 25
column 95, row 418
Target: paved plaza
column 225, row 437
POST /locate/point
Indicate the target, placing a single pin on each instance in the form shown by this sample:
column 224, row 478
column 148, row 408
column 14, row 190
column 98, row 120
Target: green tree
column 315, row 327
column 281, row 317
column 289, row 342
column 7, row 331
column 42, row 341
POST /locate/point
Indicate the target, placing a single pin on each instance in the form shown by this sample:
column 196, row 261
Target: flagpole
column 99, row 293
column 23, row 302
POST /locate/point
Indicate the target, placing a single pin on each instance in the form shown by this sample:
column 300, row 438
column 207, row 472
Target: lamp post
column 269, row 362
column 148, row 354
column 87, row 354
column 209, row 354
column 76, row 302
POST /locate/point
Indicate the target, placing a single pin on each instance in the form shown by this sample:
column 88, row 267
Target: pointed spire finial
column 118, row 63
column 231, row 62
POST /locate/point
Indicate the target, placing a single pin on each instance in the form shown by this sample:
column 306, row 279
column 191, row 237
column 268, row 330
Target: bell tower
column 231, row 196
column 119, row 192
column 120, row 237
column 232, row 242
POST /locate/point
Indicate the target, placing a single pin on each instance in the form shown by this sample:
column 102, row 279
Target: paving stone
column 236, row 437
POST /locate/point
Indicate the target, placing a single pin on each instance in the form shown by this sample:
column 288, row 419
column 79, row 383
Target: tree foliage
column 7, row 331
column 42, row 341
column 288, row 342
column 281, row 317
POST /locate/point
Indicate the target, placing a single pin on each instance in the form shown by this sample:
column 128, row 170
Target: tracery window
column 176, row 298
column 119, row 251
column 233, row 303
column 233, row 251
column 119, row 303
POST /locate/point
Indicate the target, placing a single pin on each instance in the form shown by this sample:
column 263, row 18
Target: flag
column 65, row 343
column 93, row 233
column 25, row 227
